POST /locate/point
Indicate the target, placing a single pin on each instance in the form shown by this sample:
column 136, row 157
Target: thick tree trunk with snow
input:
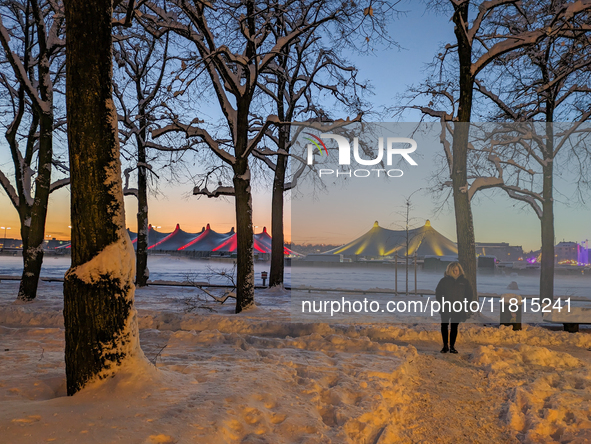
column 463, row 209
column 141, row 279
column 547, row 219
column 277, row 242
column 100, row 320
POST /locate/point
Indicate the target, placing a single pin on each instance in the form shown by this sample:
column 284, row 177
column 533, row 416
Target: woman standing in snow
column 453, row 287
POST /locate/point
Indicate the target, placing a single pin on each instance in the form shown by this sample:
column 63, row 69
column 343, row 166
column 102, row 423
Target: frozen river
column 162, row 267
column 171, row 268
column 366, row 278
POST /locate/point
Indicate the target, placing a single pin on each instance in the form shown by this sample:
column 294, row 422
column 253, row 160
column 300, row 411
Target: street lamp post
column 408, row 205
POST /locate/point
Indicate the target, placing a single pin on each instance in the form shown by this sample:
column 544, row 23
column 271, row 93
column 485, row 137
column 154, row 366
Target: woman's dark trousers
column 453, row 334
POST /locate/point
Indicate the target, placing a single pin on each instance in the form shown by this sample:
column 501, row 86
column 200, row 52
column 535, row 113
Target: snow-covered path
column 453, row 402
column 259, row 378
column 474, row 398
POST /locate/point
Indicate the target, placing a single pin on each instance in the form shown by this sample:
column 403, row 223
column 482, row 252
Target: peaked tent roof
column 207, row 240
column 264, row 238
column 380, row 241
column 230, row 245
column 153, row 236
column 265, row 241
column 175, row 240
column 132, row 236
column 261, row 243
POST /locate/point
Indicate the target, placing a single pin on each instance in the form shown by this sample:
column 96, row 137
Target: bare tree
column 485, row 31
column 302, row 71
column 31, row 37
column 99, row 315
column 144, row 64
column 548, row 80
column 233, row 46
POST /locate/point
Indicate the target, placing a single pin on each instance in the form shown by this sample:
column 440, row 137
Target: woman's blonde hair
column 451, row 266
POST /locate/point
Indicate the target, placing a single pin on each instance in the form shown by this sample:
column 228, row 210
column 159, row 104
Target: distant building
column 502, row 251
column 566, row 251
column 12, row 244
column 572, row 252
column 54, row 244
column 584, row 253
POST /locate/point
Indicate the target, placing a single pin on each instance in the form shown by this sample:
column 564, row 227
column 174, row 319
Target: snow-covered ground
column 216, row 377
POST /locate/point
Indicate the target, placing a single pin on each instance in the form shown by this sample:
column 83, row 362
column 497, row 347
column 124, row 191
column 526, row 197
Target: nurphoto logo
column 344, row 148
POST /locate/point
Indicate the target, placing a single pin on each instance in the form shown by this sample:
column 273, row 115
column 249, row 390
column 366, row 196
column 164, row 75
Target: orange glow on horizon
column 191, row 213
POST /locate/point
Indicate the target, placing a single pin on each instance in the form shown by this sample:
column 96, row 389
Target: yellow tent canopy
column 380, row 241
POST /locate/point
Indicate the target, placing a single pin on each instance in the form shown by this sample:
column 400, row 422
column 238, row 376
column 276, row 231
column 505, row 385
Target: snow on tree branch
column 529, row 197
column 484, row 9
column 515, row 41
column 482, row 183
column 191, row 131
column 10, row 191
column 252, row 143
column 511, row 43
column 20, row 71
column 219, row 191
column 263, row 154
column 59, row 184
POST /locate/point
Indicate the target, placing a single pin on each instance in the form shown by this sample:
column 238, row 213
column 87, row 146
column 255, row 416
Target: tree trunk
column 99, row 317
column 277, row 242
column 463, row 210
column 33, row 252
column 32, row 259
column 243, row 199
column 141, row 279
column 276, row 274
column 462, row 207
column 547, row 219
column 244, row 237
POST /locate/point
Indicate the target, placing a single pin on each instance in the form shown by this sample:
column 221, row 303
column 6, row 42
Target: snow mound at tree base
column 212, row 387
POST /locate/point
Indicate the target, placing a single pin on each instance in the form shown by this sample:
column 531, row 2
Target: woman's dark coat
column 454, row 290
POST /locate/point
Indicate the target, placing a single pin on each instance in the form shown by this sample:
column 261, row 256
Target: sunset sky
column 191, row 213
column 339, row 220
